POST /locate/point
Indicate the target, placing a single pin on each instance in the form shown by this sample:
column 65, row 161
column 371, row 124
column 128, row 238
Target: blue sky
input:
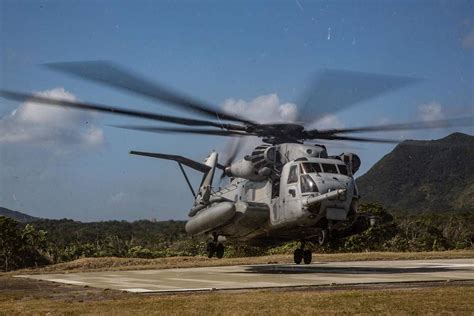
column 215, row 51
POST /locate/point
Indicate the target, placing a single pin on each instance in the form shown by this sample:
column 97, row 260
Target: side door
column 289, row 194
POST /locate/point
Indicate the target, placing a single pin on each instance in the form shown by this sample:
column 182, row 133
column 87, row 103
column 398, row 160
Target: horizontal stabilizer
column 183, row 160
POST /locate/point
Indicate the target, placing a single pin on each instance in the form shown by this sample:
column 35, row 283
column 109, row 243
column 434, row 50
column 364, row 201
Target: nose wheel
column 302, row 255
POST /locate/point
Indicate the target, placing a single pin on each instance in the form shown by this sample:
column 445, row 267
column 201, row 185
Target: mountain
column 21, row 217
column 419, row 176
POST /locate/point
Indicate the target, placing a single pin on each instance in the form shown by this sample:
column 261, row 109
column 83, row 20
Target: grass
column 113, row 264
column 445, row 299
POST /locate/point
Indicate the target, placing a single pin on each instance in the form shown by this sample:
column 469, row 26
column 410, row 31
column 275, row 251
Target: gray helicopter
column 286, row 188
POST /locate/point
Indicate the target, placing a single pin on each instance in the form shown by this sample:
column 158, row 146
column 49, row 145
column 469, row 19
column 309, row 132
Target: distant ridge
column 21, row 217
column 417, row 176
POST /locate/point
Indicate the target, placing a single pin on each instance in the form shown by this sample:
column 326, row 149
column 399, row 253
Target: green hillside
column 418, row 176
column 18, row 216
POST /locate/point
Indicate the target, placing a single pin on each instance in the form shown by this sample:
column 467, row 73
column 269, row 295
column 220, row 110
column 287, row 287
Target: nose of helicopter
column 331, row 182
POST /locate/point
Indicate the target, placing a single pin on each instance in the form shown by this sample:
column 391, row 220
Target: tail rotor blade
column 233, row 148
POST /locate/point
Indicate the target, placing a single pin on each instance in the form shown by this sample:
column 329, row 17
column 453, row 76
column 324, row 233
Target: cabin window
column 342, row 169
column 310, row 167
column 329, row 168
column 292, row 176
column 307, row 184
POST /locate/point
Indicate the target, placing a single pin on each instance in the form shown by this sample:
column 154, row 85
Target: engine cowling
column 352, row 161
column 254, row 166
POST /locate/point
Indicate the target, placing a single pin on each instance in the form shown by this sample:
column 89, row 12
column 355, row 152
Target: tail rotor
column 233, row 147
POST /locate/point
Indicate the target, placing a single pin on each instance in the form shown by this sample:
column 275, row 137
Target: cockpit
column 309, row 172
column 307, row 176
column 316, row 167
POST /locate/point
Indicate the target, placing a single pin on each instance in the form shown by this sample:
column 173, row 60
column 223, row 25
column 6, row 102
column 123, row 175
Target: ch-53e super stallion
column 286, row 188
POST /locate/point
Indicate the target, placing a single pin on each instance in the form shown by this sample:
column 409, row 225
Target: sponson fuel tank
column 210, row 218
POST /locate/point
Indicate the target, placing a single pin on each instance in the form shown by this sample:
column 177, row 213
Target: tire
column 307, row 256
column 211, row 249
column 298, row 255
column 220, row 251
column 323, row 237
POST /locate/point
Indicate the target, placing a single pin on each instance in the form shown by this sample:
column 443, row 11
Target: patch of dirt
column 13, row 288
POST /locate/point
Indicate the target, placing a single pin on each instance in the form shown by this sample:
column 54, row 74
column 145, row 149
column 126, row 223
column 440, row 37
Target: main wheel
column 220, row 250
column 298, row 255
column 211, row 249
column 323, row 237
column 307, row 256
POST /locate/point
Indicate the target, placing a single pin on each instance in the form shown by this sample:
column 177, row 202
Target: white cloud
column 51, row 126
column 328, row 121
column 269, row 109
column 431, row 111
column 263, row 109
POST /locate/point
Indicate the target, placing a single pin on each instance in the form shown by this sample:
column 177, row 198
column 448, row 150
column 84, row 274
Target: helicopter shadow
column 298, row 269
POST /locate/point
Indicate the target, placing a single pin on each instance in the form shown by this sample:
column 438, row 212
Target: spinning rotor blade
column 110, row 74
column 234, row 148
column 334, row 90
column 171, row 130
column 342, row 145
column 360, row 139
column 454, row 122
column 18, row 96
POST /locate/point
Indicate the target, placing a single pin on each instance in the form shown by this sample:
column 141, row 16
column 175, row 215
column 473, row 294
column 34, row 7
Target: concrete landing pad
column 270, row 275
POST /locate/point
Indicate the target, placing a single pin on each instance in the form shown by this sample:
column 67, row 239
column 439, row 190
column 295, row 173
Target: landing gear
column 323, row 236
column 298, row 255
column 307, row 256
column 215, row 248
column 220, row 250
column 211, row 249
column 302, row 254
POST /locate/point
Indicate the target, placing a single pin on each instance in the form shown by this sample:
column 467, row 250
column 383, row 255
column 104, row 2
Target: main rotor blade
column 342, row 145
column 113, row 75
column 172, row 130
column 334, row 90
column 454, row 122
column 360, row 139
column 22, row 97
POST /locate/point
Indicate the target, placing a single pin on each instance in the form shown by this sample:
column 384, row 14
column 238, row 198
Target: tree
column 10, row 241
column 21, row 247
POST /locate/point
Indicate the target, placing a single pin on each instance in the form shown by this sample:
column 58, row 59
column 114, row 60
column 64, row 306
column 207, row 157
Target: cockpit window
column 329, row 168
column 310, row 167
column 292, row 176
column 342, row 169
column 307, row 184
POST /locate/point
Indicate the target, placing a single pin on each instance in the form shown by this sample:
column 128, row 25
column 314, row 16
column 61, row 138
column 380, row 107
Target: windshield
column 329, row 168
column 310, row 167
column 307, row 184
column 342, row 169
column 314, row 167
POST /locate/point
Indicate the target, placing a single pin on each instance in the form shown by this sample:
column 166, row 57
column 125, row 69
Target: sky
column 255, row 57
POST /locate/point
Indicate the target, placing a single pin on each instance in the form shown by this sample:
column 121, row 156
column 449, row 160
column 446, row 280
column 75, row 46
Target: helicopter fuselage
column 311, row 194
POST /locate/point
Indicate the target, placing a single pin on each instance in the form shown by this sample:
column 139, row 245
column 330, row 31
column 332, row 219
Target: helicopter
column 286, row 188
